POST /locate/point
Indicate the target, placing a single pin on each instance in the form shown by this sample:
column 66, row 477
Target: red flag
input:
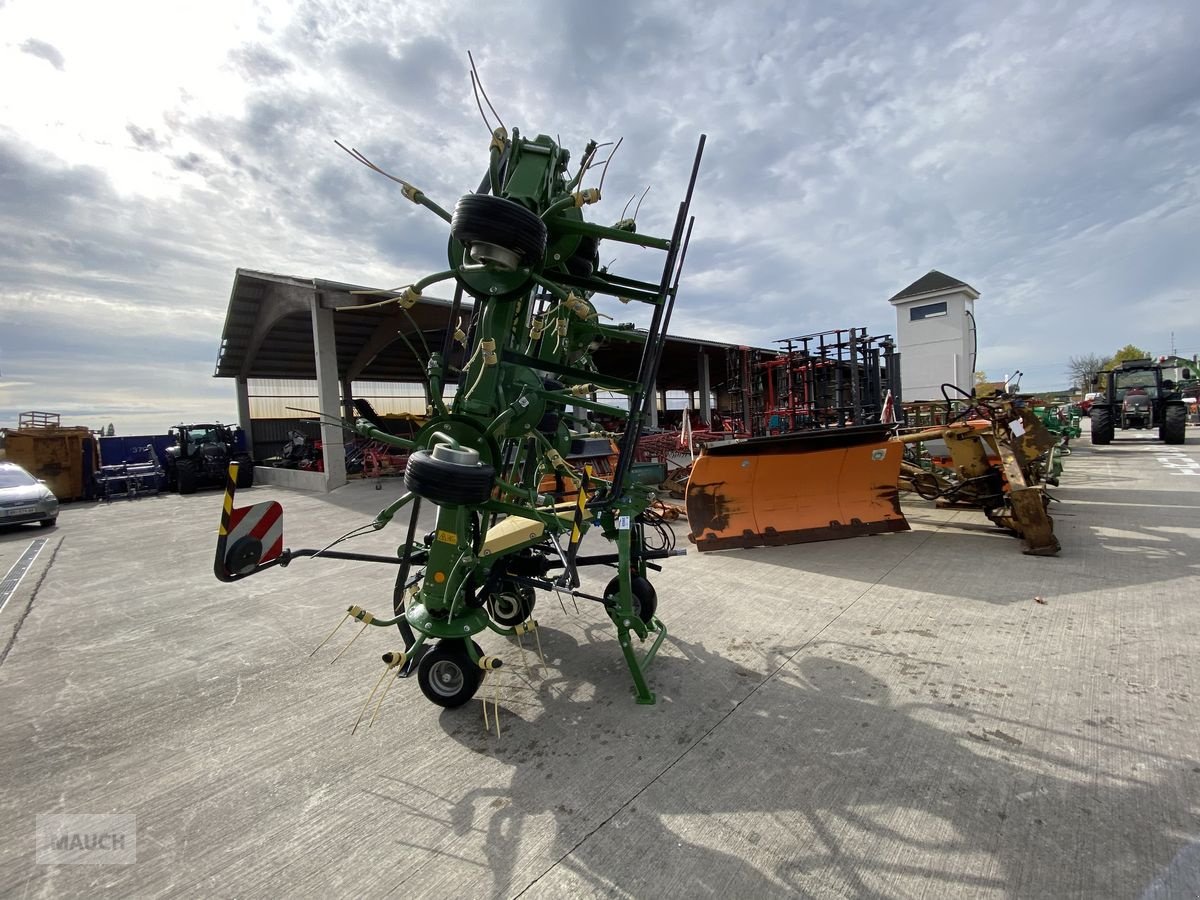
column 888, row 416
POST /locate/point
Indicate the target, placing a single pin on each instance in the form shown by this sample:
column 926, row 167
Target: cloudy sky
column 1048, row 154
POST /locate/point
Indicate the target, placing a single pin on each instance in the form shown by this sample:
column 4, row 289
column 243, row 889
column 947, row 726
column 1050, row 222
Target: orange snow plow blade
column 795, row 488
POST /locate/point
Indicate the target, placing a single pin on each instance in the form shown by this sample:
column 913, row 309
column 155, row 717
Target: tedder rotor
column 529, row 261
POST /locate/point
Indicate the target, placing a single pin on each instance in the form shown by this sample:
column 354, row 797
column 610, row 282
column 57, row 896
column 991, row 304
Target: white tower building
column 935, row 334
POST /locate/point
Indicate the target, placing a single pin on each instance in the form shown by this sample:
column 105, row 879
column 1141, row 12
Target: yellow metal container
column 63, row 457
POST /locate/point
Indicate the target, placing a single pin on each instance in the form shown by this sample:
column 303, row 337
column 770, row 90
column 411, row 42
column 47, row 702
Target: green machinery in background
column 522, row 249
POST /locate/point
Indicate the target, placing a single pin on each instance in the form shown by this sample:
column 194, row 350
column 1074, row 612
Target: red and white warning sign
column 262, row 521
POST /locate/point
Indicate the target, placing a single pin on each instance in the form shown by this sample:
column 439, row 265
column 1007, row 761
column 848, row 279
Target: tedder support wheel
column 446, row 482
column 645, row 599
column 490, row 220
column 185, row 476
column 511, row 605
column 1102, row 425
column 446, row 674
column 586, row 258
column 1174, row 428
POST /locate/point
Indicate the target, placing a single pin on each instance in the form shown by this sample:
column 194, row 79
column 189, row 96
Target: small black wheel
column 1102, row 425
column 446, row 674
column 448, row 483
column 185, row 476
column 48, row 523
column 1174, row 427
column 486, row 219
column 245, row 476
column 586, row 258
column 645, row 598
column 512, row 604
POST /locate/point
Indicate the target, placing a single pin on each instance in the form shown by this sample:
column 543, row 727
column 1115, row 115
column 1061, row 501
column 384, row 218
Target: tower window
column 927, row 312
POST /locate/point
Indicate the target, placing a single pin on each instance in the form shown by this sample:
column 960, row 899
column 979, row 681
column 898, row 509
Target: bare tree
column 1083, row 369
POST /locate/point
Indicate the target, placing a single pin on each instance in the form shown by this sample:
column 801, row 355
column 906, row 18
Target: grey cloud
column 416, row 72
column 193, row 162
column 45, row 51
column 144, row 138
column 257, row 61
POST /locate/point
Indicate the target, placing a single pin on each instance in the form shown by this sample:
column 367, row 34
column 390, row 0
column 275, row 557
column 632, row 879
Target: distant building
column 935, row 333
column 1175, row 366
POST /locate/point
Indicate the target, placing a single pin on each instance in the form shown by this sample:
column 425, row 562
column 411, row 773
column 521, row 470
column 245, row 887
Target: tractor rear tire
column 483, row 218
column 185, row 476
column 1102, row 425
column 245, row 476
column 645, row 598
column 447, row 483
column 1174, row 427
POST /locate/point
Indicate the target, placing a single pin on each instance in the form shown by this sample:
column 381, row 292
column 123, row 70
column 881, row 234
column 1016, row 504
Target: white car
column 24, row 498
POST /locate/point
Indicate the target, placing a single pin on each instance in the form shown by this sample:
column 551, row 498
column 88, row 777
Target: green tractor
column 1134, row 394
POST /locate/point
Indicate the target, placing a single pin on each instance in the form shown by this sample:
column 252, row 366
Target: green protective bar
column 621, row 334
column 370, row 431
column 420, row 198
column 386, row 514
column 524, row 493
column 549, row 286
column 433, row 374
column 559, row 205
column 658, row 626
column 433, row 279
column 584, row 402
column 563, row 225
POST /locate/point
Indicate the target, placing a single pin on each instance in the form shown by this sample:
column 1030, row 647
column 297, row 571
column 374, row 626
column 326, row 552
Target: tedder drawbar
column 522, row 249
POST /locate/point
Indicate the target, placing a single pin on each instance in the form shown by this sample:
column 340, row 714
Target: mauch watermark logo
column 64, row 840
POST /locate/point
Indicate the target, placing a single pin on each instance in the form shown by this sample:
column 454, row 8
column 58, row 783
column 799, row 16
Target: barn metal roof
column 268, row 334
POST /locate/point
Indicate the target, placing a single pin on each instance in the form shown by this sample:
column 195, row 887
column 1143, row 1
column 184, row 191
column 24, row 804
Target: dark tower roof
column 930, row 283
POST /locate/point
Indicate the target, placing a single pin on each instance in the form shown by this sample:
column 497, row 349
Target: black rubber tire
column 495, row 220
column 245, row 476
column 49, row 523
column 1102, row 425
column 446, row 483
column 446, row 675
column 1174, row 427
column 511, row 605
column 185, row 477
column 586, row 258
column 645, row 598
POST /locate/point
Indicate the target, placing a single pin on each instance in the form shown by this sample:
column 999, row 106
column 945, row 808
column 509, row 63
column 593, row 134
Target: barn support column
column 703, row 378
column 242, row 389
column 328, row 399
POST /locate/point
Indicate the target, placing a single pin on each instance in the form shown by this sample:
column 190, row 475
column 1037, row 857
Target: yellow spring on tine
column 328, row 636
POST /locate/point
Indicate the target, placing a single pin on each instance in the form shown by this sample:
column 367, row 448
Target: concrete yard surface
column 927, row 714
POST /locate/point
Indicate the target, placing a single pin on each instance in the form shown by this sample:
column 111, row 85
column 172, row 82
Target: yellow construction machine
column 995, row 461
